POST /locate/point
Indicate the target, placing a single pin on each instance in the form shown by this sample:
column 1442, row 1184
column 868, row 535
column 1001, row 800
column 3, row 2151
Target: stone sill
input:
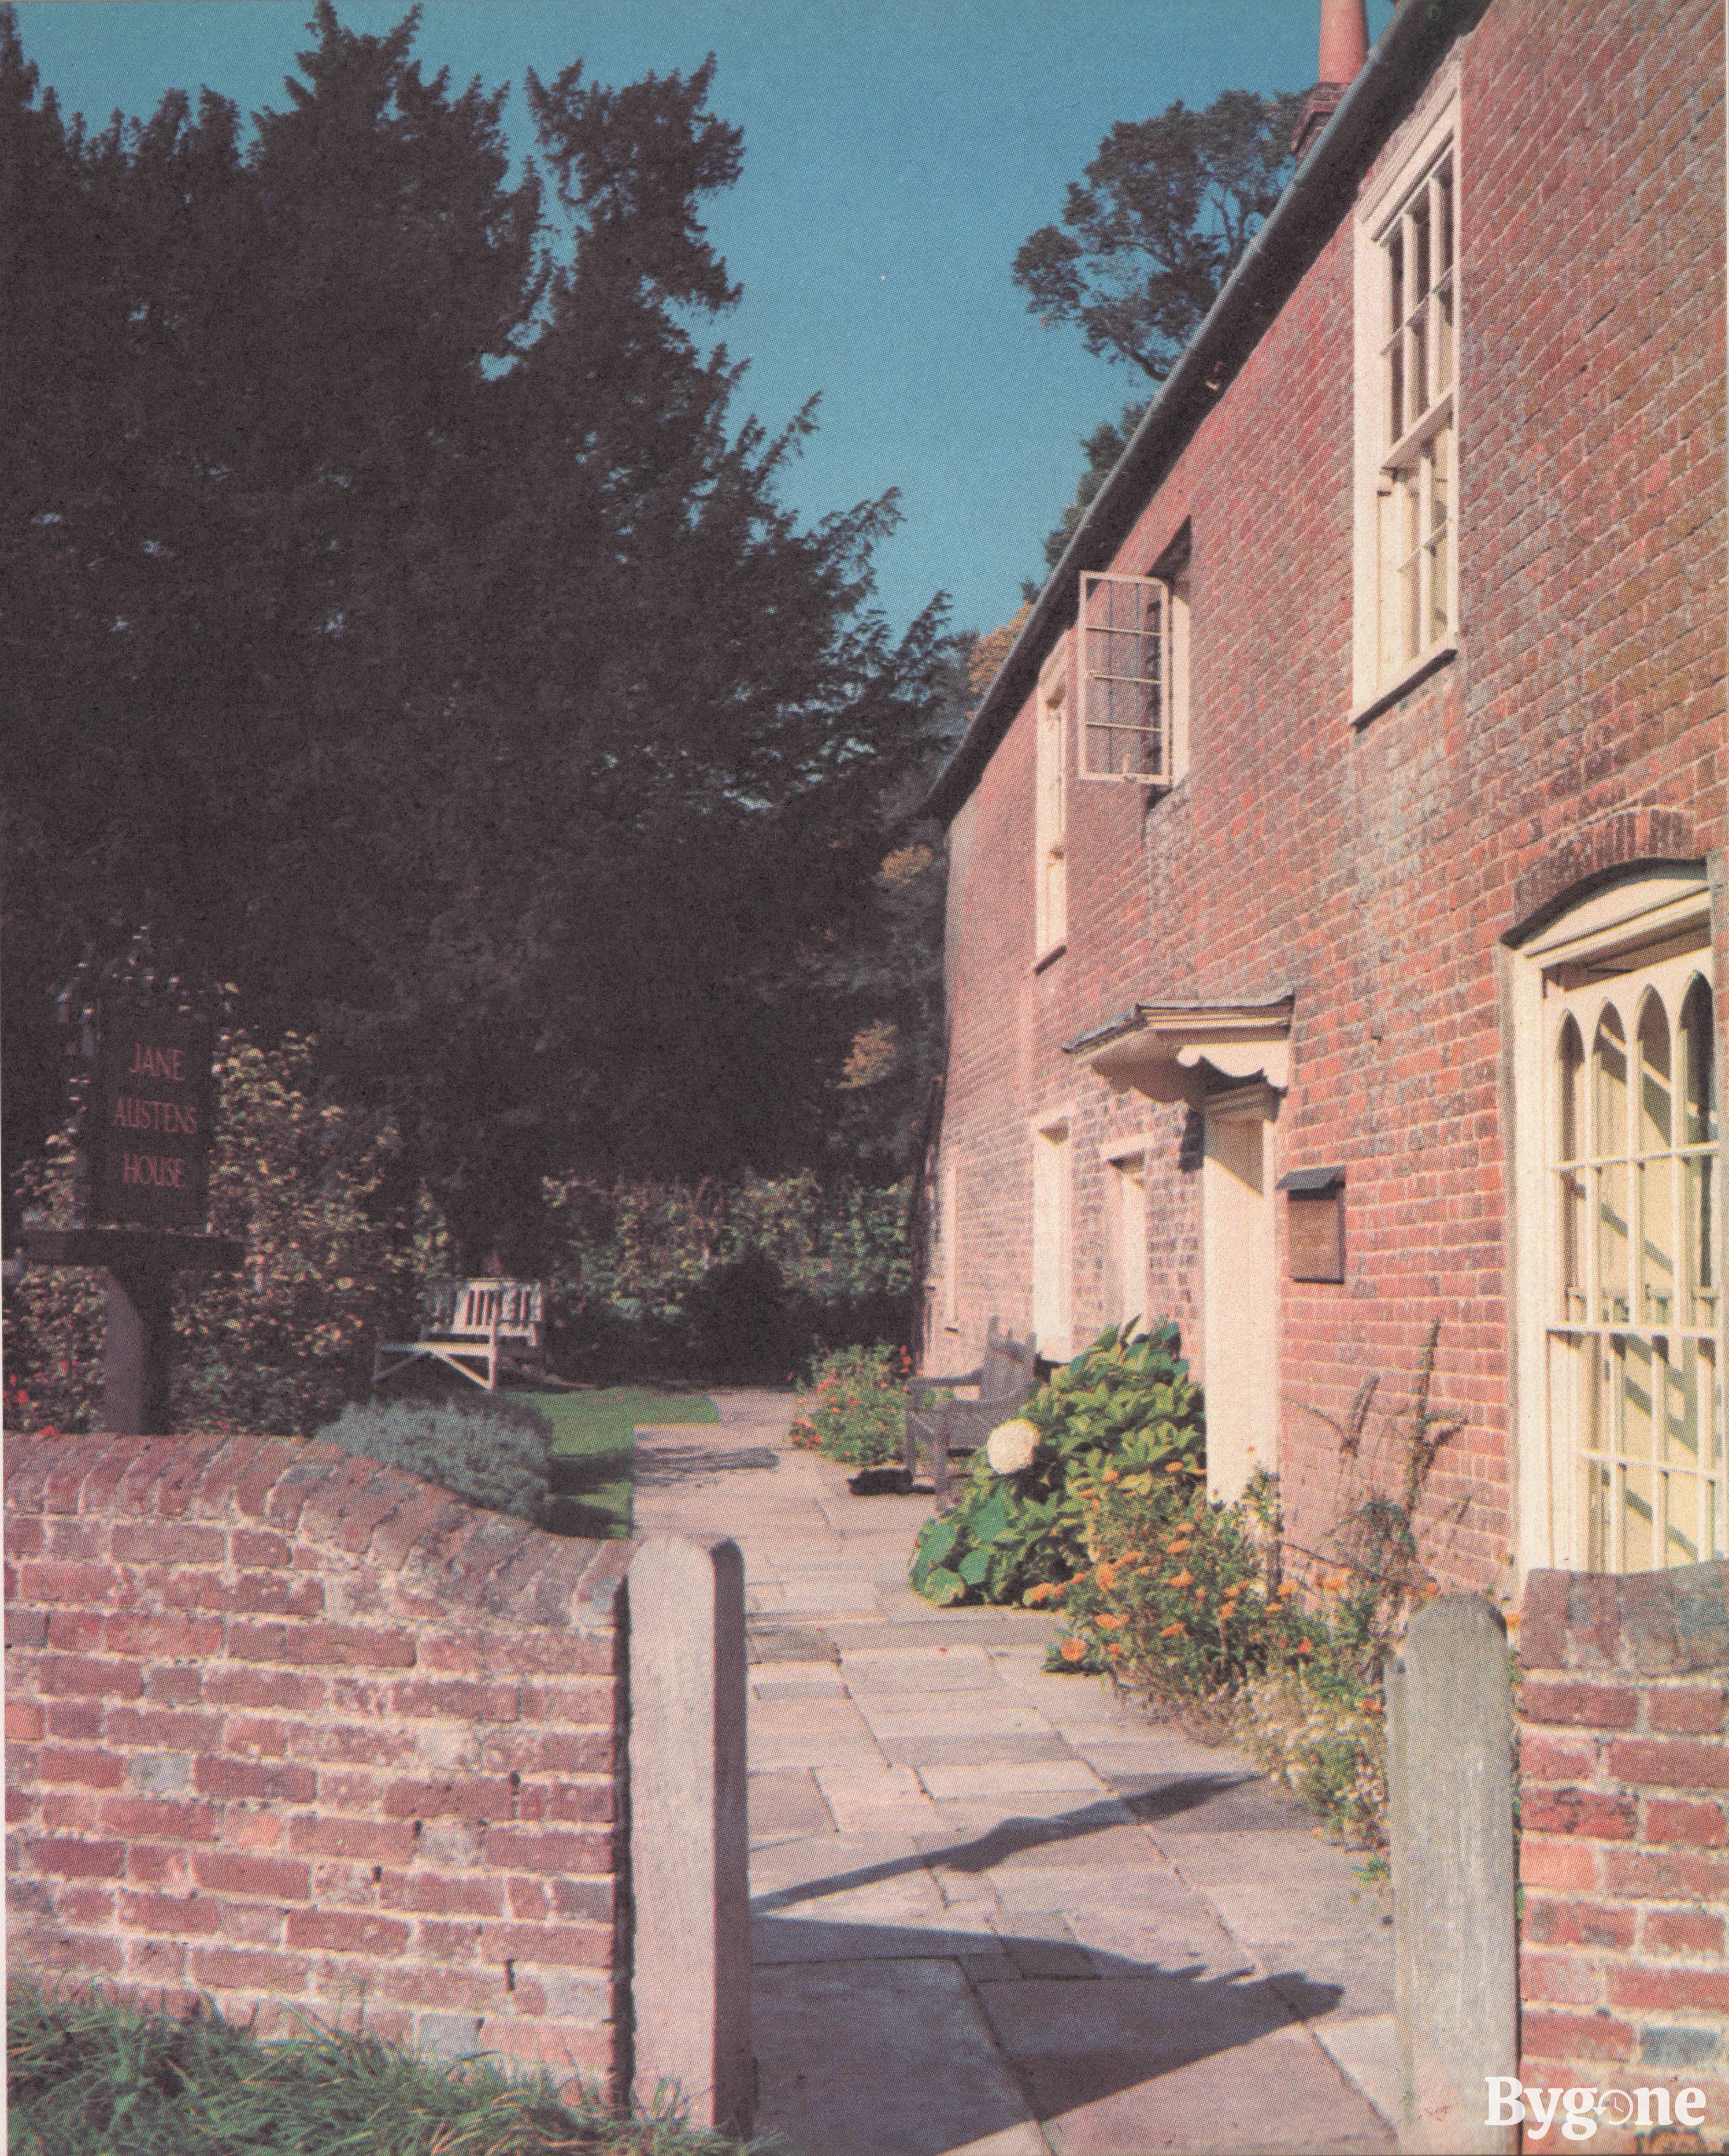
column 1419, row 671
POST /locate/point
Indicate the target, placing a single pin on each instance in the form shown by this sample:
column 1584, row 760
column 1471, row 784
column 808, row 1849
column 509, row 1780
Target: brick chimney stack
column 1344, row 48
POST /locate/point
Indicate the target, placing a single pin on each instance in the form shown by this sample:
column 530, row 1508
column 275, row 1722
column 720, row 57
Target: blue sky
column 896, row 154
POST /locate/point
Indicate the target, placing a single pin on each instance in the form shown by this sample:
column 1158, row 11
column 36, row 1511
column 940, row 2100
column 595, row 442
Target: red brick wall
column 1376, row 871
column 1624, row 1812
column 287, row 1727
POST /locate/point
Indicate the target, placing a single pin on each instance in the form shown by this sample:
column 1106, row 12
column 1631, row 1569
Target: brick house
column 1337, row 923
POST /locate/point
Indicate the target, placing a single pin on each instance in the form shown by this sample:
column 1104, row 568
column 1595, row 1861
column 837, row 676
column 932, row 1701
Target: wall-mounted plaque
column 1314, row 1223
column 148, row 1125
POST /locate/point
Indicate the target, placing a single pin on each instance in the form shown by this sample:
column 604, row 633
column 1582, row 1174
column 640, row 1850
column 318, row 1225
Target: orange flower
column 1287, row 1590
column 1173, row 1631
column 1176, row 1549
column 1372, row 1706
column 1042, row 1593
column 1113, row 1646
column 1109, row 1622
column 1105, row 1574
column 1333, row 1581
column 1174, row 1467
column 1109, row 1475
column 1073, row 1650
column 1305, row 1647
column 1184, row 1579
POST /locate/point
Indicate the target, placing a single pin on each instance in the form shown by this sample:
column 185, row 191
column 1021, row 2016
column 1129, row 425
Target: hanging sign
column 147, row 1123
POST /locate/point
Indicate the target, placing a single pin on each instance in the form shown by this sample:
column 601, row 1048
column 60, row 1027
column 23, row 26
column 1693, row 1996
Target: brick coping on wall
column 1625, row 1843
column 291, row 1729
column 440, row 1543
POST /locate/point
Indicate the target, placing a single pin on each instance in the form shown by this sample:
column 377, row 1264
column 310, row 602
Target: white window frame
column 1050, row 888
column 1052, row 1233
column 1407, row 462
column 948, row 1251
column 1652, row 931
column 1125, row 1228
column 1132, row 723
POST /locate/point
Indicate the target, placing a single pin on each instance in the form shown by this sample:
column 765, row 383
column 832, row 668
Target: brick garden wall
column 286, row 1726
column 1624, row 1785
column 1375, row 870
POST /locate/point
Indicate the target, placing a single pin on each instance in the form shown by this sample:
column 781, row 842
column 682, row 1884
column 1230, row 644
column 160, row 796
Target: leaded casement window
column 1635, row 1299
column 1134, row 702
column 1617, row 1218
column 1407, row 432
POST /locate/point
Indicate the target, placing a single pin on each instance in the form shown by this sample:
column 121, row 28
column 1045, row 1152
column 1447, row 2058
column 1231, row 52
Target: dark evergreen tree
column 401, row 624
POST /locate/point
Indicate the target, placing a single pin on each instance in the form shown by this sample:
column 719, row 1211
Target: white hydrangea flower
column 1011, row 1446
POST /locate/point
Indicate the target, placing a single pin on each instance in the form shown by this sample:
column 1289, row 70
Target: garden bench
column 479, row 1328
column 1005, row 1381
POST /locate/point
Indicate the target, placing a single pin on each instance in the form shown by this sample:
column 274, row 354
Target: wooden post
column 1450, row 1789
column 138, row 1353
column 138, row 1350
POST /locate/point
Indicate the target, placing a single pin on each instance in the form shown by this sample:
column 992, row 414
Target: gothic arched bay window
column 1632, row 1296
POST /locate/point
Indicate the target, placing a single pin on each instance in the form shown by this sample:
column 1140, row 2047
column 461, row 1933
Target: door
column 1237, row 1291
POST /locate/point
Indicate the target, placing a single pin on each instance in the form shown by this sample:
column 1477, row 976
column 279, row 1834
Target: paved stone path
column 995, row 1914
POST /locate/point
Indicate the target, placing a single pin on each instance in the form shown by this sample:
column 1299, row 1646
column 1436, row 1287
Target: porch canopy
column 1162, row 1049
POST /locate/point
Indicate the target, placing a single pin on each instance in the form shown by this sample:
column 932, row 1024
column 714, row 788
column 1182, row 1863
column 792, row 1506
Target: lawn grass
column 591, row 1447
column 88, row 2077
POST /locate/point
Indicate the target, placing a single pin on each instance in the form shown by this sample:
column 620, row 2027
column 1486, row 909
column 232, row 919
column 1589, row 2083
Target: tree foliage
column 1103, row 446
column 401, row 622
column 1166, row 210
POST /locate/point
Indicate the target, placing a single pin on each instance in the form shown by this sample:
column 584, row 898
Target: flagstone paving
column 995, row 1913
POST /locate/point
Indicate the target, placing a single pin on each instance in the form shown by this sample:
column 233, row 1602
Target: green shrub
column 1125, row 1408
column 491, row 1451
column 88, row 2077
column 1179, row 1601
column 854, row 1409
column 1174, row 1602
column 1326, row 1743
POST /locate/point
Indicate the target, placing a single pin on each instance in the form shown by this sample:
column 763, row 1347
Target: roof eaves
column 1318, row 195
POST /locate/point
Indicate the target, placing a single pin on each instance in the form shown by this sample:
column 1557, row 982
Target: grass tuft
column 591, row 1448
column 88, row 2076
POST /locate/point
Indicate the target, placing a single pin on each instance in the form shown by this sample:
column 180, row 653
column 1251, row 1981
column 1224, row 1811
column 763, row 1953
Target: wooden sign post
column 144, row 1099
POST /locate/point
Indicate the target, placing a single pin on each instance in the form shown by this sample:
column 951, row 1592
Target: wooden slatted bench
column 1005, row 1381
column 479, row 1328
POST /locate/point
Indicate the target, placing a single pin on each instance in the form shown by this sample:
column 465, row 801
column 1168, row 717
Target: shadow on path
column 661, row 1464
column 1010, row 1836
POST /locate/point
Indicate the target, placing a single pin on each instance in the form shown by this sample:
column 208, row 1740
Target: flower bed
column 1090, row 1503
column 853, row 1407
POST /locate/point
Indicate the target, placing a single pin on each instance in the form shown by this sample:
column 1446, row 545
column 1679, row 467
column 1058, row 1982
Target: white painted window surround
column 1053, row 1255
column 1619, row 1323
column 1050, row 890
column 1133, row 719
column 948, row 1251
column 1125, row 1282
column 1406, row 261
